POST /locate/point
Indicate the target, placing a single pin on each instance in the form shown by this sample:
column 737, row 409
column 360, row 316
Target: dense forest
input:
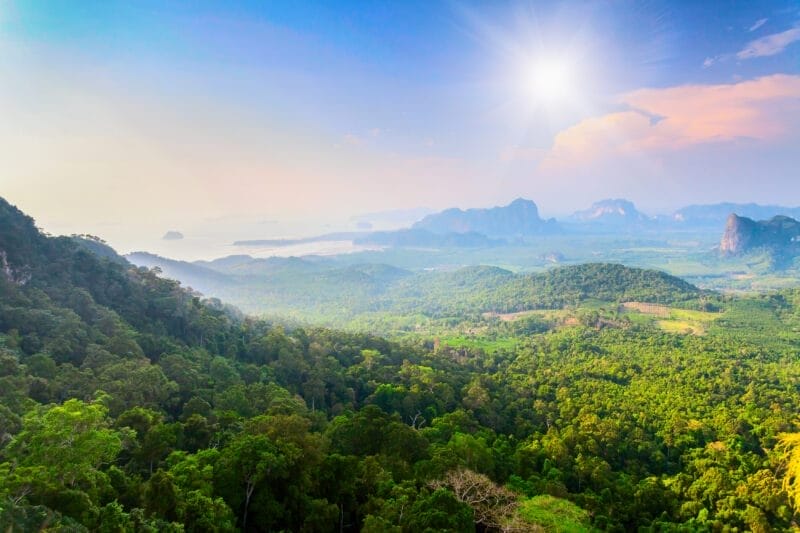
column 132, row 404
column 321, row 290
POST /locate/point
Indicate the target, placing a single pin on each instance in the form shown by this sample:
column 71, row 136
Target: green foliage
column 439, row 511
column 555, row 514
column 789, row 447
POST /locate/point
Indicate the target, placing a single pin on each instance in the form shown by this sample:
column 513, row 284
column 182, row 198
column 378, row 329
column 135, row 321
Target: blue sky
column 202, row 111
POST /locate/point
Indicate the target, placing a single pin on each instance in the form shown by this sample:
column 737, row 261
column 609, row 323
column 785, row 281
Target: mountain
column 519, row 218
column 60, row 293
column 715, row 215
column 612, row 212
column 780, row 235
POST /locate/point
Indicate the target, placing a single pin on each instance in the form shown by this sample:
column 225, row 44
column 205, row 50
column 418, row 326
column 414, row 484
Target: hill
column 476, row 290
column 519, row 218
column 609, row 282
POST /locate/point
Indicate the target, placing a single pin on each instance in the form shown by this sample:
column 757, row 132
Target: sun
column 550, row 80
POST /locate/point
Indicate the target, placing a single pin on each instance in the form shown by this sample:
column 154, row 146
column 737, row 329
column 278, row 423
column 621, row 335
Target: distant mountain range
column 513, row 223
column 715, row 215
column 521, row 218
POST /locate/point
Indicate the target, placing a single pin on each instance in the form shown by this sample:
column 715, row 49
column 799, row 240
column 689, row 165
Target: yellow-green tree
column 789, row 447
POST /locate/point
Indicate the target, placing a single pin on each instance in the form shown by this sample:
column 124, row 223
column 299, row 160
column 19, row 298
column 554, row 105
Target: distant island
column 172, row 235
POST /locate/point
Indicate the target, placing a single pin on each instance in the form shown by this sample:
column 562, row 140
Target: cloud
column 710, row 61
column 757, row 24
column 674, row 118
column 769, row 45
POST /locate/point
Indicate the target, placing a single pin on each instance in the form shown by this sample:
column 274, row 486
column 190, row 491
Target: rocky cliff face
column 779, row 234
column 739, row 232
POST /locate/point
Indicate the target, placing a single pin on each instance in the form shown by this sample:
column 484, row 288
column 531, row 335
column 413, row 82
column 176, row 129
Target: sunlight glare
column 550, row 80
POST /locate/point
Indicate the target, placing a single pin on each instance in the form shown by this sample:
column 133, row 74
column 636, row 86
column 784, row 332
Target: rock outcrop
column 779, row 234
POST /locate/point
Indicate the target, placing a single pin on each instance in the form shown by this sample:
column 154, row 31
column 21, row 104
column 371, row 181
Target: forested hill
column 66, row 278
column 489, row 289
column 610, row 282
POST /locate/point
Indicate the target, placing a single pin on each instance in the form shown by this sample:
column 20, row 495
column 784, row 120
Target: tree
column 58, row 457
column 493, row 506
column 245, row 464
column 72, row 441
column 439, row 511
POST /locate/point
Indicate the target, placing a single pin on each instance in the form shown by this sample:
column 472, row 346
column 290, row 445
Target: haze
column 247, row 120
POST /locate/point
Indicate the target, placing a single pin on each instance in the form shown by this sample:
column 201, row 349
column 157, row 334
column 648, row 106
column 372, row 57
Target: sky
column 259, row 119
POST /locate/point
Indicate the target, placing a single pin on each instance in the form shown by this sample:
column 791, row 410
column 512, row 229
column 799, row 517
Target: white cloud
column 757, row 24
column 769, row 45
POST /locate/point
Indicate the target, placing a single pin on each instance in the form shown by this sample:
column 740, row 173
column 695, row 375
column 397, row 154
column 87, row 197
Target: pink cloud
column 678, row 117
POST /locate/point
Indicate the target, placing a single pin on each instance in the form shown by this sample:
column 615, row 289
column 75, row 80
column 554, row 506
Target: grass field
column 670, row 319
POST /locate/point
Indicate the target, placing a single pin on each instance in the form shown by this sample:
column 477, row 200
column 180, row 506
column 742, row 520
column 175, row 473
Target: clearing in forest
column 673, row 320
